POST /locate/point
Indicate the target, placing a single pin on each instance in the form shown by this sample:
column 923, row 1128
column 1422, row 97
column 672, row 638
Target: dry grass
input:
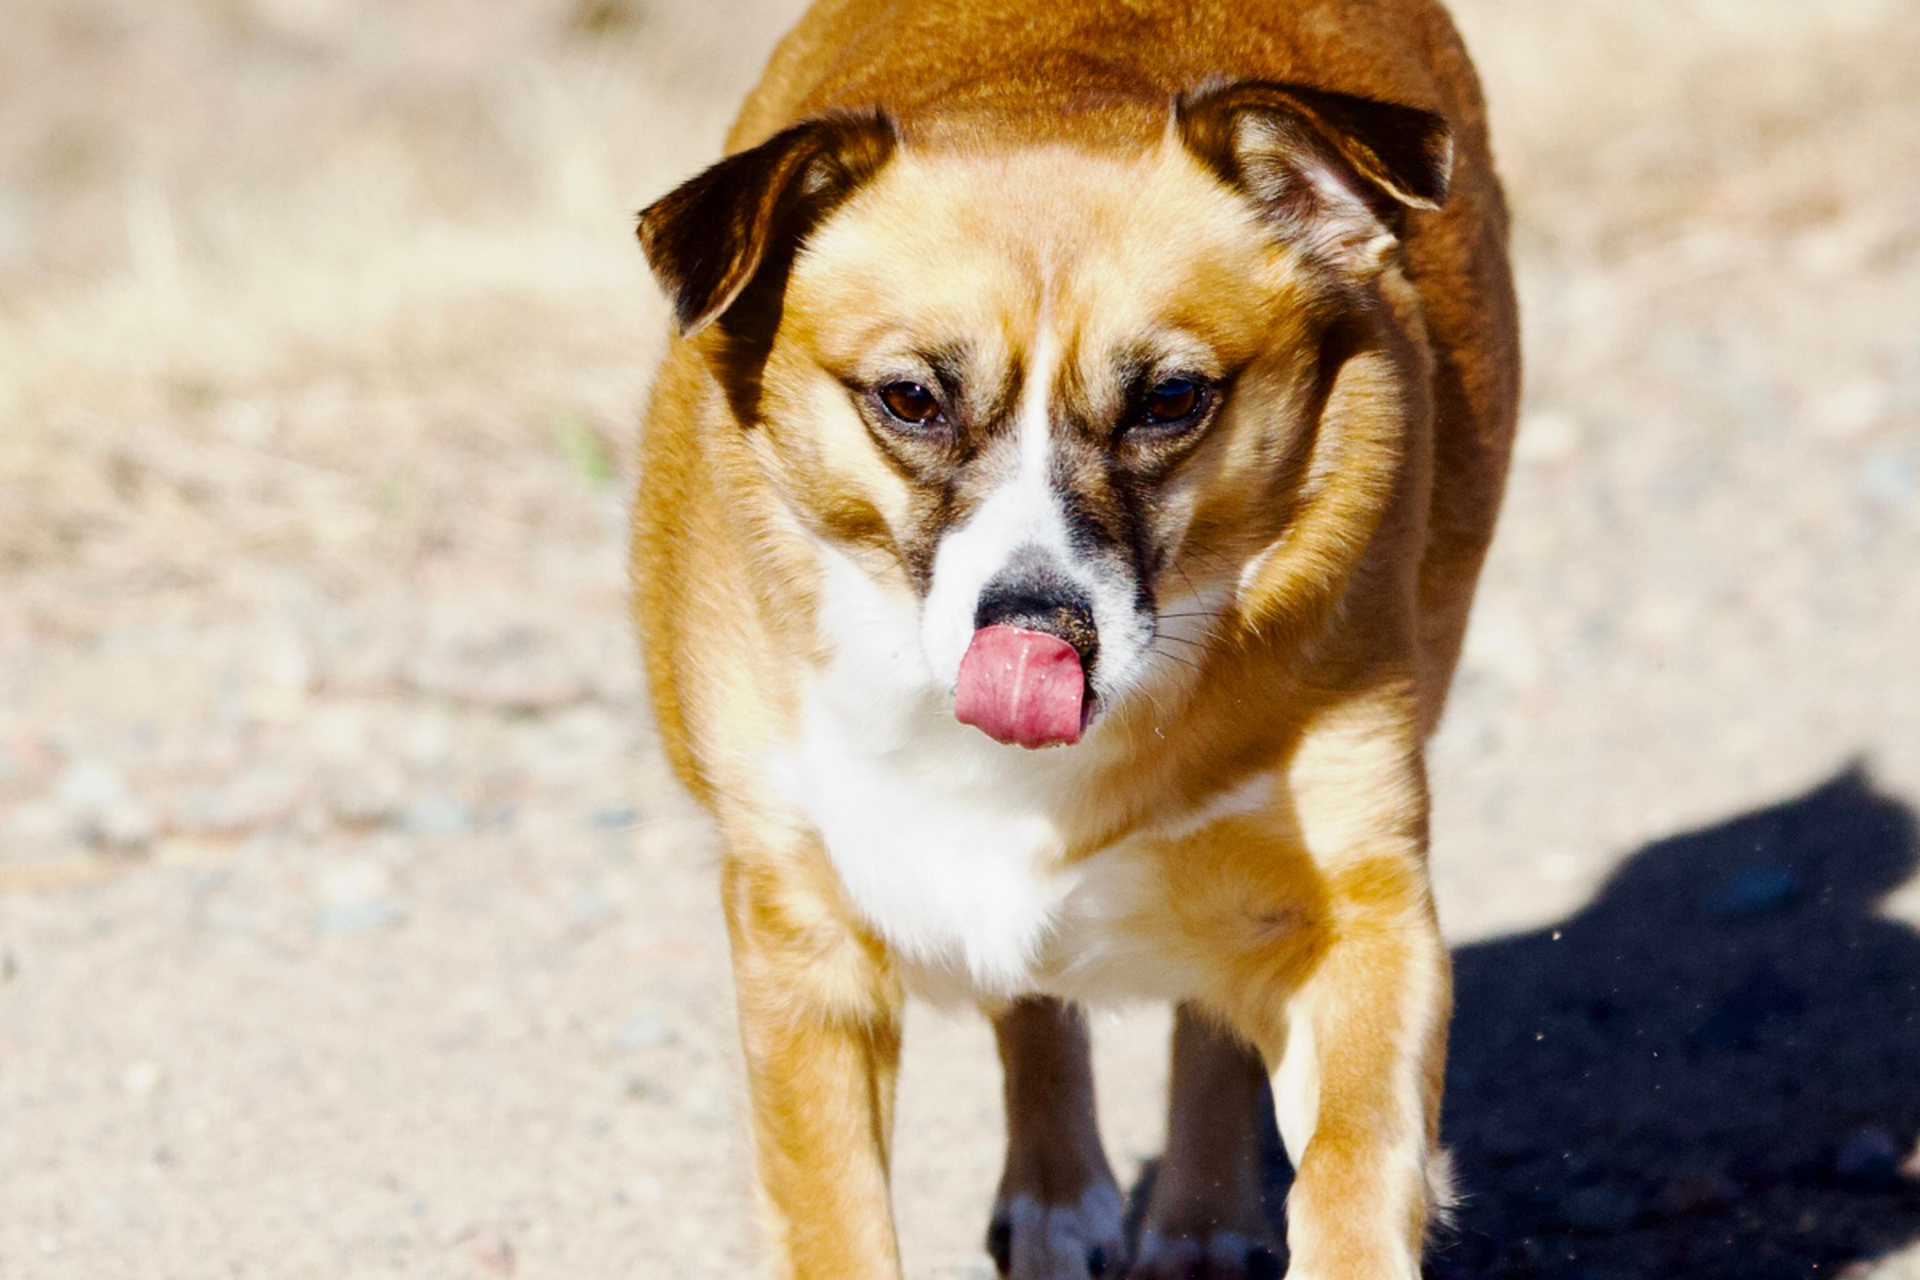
column 220, row 199
column 214, row 211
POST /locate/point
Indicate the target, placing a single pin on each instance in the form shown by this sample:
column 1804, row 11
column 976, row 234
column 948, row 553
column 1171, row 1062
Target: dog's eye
column 1175, row 402
column 911, row 403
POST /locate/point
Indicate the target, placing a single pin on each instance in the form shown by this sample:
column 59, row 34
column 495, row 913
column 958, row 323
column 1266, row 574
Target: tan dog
column 1135, row 379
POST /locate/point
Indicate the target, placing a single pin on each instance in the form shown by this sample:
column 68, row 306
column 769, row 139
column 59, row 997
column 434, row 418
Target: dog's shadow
column 1712, row 1071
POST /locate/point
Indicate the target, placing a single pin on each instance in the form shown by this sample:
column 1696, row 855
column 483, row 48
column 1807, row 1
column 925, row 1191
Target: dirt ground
column 347, row 928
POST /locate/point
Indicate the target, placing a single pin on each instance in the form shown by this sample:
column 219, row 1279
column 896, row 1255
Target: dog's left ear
column 709, row 238
column 1332, row 171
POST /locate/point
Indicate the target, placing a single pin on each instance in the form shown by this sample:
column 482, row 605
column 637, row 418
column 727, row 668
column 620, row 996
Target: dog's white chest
column 943, row 840
column 941, row 836
column 954, row 871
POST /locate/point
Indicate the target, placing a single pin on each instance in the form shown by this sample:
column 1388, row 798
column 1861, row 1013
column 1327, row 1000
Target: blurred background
column 347, row 928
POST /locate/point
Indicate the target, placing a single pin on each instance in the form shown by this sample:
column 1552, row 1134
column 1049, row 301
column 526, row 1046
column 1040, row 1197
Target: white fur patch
column 1296, row 1089
column 1443, row 1192
column 945, row 840
column 940, row 835
column 1023, row 512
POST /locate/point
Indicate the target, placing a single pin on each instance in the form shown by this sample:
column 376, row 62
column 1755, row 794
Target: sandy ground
column 346, row 926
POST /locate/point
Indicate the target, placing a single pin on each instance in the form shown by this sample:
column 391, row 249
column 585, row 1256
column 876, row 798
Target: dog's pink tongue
column 1022, row 687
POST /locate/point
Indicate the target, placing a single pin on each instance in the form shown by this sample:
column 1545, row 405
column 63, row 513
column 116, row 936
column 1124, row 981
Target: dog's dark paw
column 1083, row 1241
column 1213, row 1255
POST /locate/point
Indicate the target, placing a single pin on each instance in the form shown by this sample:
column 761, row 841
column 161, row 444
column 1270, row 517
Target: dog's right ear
column 708, row 238
column 1331, row 171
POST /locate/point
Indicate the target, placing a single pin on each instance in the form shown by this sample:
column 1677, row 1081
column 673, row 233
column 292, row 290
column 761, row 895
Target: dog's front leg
column 1058, row 1212
column 819, row 1008
column 1358, row 1052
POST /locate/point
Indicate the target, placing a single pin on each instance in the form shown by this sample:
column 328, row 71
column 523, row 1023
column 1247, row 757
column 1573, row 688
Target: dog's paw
column 1082, row 1241
column 1204, row 1255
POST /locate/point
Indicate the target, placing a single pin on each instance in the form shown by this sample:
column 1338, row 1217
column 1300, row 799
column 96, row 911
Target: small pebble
column 369, row 796
column 1547, row 436
column 616, row 818
column 351, row 919
column 127, row 826
column 141, row 1079
column 639, row 1088
column 90, row 788
column 708, row 1107
column 1851, row 410
column 437, row 815
column 100, row 809
column 357, row 898
column 645, row 1030
column 1891, row 479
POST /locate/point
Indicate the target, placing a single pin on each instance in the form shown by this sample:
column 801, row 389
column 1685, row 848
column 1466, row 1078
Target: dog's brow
column 963, row 380
column 1000, row 404
column 1177, row 351
column 949, row 364
column 1133, row 371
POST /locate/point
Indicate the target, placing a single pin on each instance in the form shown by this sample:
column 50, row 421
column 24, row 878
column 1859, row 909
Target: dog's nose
column 1033, row 596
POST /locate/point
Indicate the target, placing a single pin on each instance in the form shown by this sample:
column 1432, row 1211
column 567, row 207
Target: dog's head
column 1075, row 402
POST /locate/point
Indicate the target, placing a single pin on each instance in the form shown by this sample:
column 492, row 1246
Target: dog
column 1057, row 521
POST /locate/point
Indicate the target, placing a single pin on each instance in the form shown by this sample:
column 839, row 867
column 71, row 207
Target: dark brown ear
column 709, row 237
column 1329, row 167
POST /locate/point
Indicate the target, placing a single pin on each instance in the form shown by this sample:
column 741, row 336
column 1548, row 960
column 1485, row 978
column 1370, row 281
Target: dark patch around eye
column 1106, row 509
column 931, row 512
column 936, row 460
column 949, row 368
column 1151, row 396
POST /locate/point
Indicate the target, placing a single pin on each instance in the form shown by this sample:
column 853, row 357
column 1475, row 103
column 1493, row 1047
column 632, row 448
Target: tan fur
column 1036, row 159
